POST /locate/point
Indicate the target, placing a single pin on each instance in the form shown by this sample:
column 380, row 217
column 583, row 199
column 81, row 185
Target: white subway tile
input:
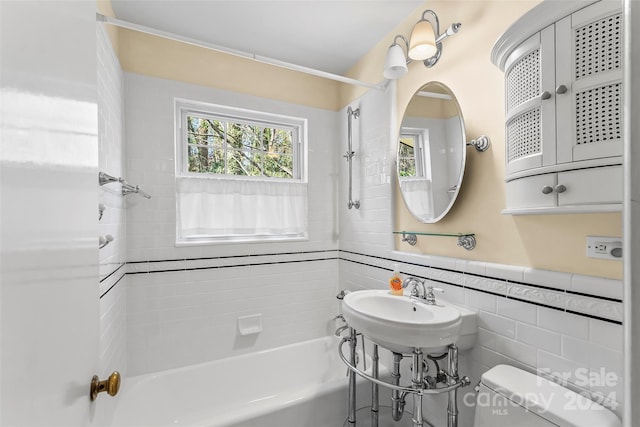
column 591, row 285
column 519, row 351
column 517, row 310
column 480, row 300
column 605, row 334
column 564, row 370
column 497, row 324
column 552, row 279
column 539, row 338
column 453, row 294
column 505, row 272
column 576, row 349
column 565, row 323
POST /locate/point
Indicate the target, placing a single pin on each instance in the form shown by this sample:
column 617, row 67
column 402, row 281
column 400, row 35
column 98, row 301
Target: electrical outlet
column 604, row 247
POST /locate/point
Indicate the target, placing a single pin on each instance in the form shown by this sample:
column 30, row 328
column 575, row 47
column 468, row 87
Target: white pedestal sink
column 400, row 323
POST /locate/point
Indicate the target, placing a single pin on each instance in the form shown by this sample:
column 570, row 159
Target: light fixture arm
column 398, row 58
column 406, row 46
column 435, row 22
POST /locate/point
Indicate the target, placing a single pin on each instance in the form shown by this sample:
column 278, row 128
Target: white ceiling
column 328, row 35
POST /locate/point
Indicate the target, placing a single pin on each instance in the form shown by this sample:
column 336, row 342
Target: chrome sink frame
column 420, row 386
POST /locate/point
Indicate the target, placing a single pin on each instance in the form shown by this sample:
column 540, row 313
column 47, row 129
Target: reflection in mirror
column 431, row 152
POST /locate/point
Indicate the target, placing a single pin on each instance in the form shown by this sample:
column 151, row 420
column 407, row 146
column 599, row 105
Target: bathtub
column 302, row 384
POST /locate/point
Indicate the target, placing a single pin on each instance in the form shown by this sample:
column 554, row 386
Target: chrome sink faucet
column 427, row 295
column 414, row 282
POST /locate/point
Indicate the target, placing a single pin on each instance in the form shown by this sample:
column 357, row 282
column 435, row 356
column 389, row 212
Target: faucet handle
column 430, row 296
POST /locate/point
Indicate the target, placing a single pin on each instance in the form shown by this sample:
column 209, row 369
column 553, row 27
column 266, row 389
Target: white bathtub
column 303, row 384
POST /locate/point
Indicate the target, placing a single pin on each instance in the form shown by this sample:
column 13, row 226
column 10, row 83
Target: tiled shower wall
column 111, row 161
column 538, row 320
column 183, row 303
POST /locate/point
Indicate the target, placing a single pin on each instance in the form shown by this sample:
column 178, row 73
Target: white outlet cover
column 604, row 247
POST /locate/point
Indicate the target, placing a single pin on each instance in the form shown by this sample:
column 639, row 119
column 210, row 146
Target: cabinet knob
column 547, row 189
column 560, row 188
column 561, row 89
column 545, row 95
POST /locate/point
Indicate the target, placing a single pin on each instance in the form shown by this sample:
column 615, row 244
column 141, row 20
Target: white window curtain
column 418, row 196
column 237, row 209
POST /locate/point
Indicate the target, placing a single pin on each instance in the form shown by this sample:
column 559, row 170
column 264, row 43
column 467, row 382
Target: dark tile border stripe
column 493, row 293
column 234, row 266
column 113, row 286
column 341, row 258
column 113, row 272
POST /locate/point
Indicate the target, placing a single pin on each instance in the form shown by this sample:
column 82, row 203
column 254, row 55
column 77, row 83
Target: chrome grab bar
column 349, row 156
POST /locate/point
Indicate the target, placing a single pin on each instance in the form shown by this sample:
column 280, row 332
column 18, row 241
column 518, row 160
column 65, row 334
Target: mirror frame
column 463, row 144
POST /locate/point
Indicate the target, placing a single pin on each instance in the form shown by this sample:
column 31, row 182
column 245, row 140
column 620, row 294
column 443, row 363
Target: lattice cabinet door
column 589, row 56
column 530, row 110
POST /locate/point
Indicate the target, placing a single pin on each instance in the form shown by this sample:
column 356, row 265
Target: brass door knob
column 111, row 385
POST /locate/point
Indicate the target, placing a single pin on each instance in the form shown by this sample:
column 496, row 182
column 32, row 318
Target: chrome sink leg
column 375, row 399
column 417, row 383
column 397, row 399
column 352, row 378
column 452, row 378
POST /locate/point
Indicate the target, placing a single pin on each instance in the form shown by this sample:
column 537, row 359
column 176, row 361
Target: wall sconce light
column 425, row 45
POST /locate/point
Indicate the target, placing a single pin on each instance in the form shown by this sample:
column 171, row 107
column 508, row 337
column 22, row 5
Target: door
column 49, row 312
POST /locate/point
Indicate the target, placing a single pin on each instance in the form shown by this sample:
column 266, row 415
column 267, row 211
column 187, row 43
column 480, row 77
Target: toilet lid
column 548, row 399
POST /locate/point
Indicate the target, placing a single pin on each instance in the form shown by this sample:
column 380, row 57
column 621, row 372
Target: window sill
column 239, row 240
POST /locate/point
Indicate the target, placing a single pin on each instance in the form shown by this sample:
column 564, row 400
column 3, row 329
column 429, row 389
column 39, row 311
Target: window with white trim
column 240, row 175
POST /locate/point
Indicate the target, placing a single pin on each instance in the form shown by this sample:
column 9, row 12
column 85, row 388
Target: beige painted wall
column 554, row 242
column 158, row 57
column 434, row 108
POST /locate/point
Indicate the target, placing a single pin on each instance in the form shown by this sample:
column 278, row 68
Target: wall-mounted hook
column 101, row 209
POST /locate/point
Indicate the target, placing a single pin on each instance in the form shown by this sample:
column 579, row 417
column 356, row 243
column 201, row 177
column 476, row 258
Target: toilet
column 511, row 397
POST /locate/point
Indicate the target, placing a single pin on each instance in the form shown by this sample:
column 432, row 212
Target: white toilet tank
column 511, row 397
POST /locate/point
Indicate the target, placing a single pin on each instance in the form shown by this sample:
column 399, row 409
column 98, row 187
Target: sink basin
column 402, row 324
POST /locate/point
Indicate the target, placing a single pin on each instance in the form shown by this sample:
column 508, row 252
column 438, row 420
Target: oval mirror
column 431, row 152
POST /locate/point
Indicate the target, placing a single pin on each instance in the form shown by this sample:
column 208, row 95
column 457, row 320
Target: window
column 224, row 146
column 412, row 161
column 407, row 156
column 240, row 175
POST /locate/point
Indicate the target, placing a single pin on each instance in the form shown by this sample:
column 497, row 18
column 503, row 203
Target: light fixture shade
column 422, row 44
column 395, row 65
